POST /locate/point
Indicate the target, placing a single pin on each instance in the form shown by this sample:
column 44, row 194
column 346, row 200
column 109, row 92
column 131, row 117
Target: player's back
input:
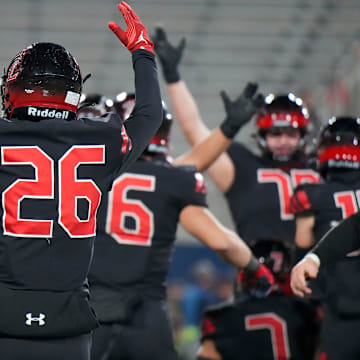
column 276, row 327
column 140, row 226
column 52, row 175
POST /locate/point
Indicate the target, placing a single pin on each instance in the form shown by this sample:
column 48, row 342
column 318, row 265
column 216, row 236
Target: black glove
column 240, row 111
column 169, row 55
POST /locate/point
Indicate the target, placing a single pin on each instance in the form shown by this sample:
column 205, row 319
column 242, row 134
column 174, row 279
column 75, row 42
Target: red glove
column 258, row 284
column 136, row 36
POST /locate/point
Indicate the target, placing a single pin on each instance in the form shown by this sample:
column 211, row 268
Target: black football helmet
column 94, row 105
column 124, row 104
column 281, row 112
column 277, row 257
column 274, row 254
column 338, row 145
column 42, row 81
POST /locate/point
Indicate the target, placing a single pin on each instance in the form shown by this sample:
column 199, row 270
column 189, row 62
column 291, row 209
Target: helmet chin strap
column 279, row 158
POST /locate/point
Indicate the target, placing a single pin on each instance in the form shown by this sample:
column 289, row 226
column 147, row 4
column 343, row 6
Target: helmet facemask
column 282, row 114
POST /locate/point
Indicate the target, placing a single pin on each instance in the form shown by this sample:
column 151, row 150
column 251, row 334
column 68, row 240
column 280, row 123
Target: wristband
column 313, row 257
column 253, row 266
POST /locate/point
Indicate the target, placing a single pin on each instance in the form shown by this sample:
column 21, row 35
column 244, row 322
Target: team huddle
column 91, row 202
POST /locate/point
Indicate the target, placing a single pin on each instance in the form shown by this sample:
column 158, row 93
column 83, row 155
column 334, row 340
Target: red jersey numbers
column 278, row 332
column 348, row 201
column 42, row 187
column 71, row 189
column 285, row 184
column 121, row 207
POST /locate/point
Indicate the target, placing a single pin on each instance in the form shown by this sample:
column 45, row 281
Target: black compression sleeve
column 339, row 241
column 146, row 117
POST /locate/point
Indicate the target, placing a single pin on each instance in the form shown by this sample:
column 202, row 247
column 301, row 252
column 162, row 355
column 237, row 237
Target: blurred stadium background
column 309, row 47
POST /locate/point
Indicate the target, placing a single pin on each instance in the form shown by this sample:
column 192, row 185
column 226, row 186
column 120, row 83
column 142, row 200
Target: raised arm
column 186, row 111
column 206, row 152
column 200, row 222
column 203, row 154
column 147, row 114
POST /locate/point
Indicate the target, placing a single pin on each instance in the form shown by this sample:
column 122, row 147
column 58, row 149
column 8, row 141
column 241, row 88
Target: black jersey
column 276, row 327
column 52, row 177
column 330, row 202
column 259, row 198
column 135, row 241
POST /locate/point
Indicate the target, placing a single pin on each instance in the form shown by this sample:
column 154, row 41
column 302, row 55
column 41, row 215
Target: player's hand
column 306, row 268
column 168, row 54
column 135, row 37
column 258, row 284
column 241, row 110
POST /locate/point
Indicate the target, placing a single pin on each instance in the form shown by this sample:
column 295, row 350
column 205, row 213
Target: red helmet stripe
column 159, row 140
column 340, row 153
column 49, row 105
column 295, row 120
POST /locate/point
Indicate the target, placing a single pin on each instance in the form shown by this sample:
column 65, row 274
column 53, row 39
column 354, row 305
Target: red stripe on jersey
column 207, row 327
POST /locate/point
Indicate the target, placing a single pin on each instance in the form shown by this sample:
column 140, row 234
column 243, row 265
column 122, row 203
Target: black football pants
column 77, row 348
column 147, row 336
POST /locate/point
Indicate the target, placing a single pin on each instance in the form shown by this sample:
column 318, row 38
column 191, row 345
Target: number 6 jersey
column 138, row 227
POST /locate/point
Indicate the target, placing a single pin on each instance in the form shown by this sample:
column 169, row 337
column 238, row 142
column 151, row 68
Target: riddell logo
column 46, row 113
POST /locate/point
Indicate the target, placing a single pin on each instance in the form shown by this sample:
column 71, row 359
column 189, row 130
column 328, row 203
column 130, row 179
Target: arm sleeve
column 339, row 241
column 146, row 117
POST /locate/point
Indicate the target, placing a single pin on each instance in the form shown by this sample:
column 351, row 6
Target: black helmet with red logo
column 42, row 81
column 338, row 145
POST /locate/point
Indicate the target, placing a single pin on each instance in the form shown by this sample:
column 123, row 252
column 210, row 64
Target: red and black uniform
column 136, row 236
column 52, row 176
column 276, row 327
column 330, row 202
column 259, row 198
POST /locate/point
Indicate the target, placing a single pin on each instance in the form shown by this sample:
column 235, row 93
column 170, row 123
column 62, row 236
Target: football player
column 318, row 207
column 135, row 241
column 53, row 172
column 276, row 327
column 257, row 188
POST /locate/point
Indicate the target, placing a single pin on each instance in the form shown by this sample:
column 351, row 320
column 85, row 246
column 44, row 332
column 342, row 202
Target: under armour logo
column 35, row 319
column 141, row 38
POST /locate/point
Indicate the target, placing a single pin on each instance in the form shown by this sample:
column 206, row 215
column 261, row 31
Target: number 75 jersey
column 259, row 198
column 52, row 175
